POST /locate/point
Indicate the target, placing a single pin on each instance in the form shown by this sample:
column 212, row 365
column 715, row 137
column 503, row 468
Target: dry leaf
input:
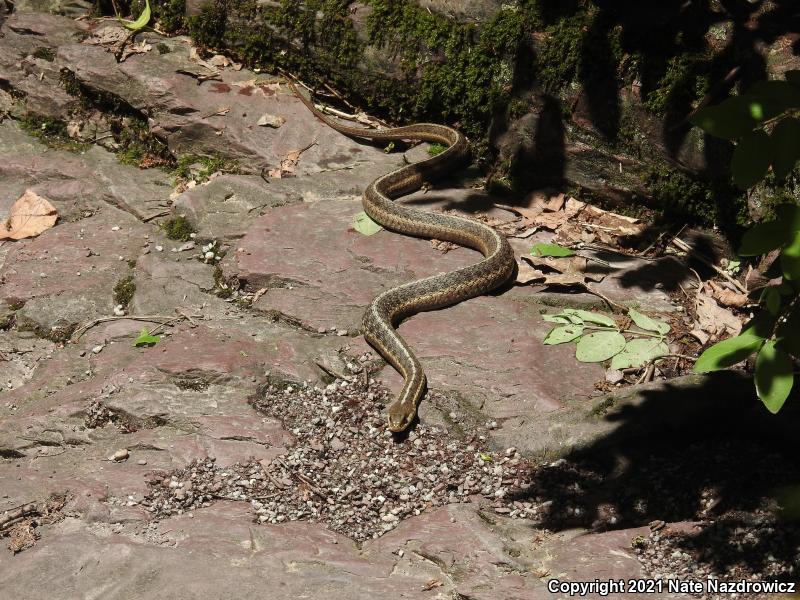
column 715, row 320
column 30, row 215
column 107, row 36
column 268, row 120
column 527, row 274
column 432, row 583
column 728, row 297
column 552, row 220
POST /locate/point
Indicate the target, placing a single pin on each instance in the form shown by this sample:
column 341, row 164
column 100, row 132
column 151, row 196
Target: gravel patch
column 345, row 469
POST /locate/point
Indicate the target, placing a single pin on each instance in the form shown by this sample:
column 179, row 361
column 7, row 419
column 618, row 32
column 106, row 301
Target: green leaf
column 551, row 250
column 638, row 352
column 145, row 339
column 562, row 335
column 733, row 350
column 790, row 258
column 485, row 457
column 363, row 224
column 771, row 299
column 785, row 146
column 729, row 120
column 648, row 323
column 599, row 346
column 764, row 237
column 142, row 21
column 591, row 317
column 751, row 159
column 556, row 319
column 774, row 376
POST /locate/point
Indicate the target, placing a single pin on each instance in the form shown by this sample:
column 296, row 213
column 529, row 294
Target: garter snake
column 438, row 291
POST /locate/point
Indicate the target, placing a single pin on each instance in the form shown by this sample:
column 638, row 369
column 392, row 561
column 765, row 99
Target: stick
column 681, row 245
column 23, row 511
column 84, row 328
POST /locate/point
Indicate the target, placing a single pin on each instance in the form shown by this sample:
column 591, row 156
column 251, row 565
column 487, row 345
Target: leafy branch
column 764, row 124
column 599, row 338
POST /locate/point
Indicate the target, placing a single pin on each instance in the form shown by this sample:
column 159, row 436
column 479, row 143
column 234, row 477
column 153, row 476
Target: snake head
column 399, row 418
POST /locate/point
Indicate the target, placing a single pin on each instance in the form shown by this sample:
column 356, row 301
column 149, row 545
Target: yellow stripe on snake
column 395, row 304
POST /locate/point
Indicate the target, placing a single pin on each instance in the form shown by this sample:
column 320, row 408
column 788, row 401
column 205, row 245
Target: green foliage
column 763, row 122
column 554, row 250
column 599, row 338
column 145, row 339
column 436, row 149
column 363, row 224
column 142, row 21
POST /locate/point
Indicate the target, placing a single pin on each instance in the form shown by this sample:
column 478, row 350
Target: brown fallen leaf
column 527, row 274
column 713, row 319
column 728, row 297
column 30, row 215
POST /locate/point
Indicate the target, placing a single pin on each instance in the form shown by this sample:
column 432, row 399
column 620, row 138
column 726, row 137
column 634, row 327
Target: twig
column 14, row 515
column 152, row 318
column 606, row 299
column 186, row 316
column 155, row 216
column 680, row 244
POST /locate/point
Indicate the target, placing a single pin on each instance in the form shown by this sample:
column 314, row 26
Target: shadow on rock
column 704, row 452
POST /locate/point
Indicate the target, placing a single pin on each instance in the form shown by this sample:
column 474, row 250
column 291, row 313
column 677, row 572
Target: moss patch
column 124, row 290
column 681, row 197
column 52, row 133
column 44, row 53
column 178, row 228
column 138, row 147
column 200, row 168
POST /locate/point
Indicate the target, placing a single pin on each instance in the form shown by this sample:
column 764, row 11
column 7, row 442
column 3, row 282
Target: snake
column 388, row 309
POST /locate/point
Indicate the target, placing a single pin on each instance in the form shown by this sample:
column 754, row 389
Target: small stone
column 97, row 349
column 142, row 462
column 614, row 375
column 115, row 228
column 159, row 248
column 120, row 455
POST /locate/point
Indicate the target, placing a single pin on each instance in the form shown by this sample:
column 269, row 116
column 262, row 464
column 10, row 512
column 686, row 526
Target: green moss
column 124, row 290
column 128, row 126
column 178, row 228
column 200, row 168
column 436, row 149
column 51, row 132
column 163, row 48
column 684, row 82
column 708, row 203
column 44, row 53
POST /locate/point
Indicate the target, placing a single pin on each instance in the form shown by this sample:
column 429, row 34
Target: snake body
column 438, row 291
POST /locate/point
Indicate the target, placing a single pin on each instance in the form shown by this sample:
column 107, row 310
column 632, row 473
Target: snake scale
column 438, row 291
